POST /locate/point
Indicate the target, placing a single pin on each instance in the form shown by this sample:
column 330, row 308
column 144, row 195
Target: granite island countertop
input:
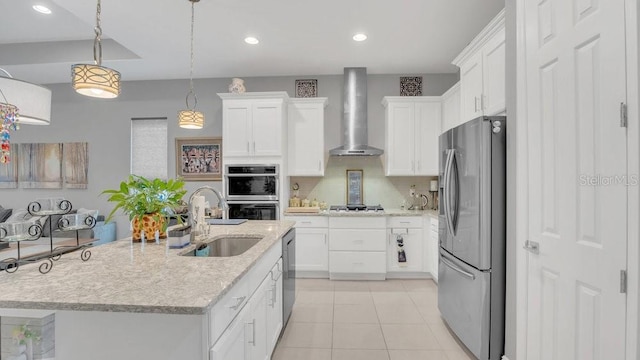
column 386, row 212
column 130, row 277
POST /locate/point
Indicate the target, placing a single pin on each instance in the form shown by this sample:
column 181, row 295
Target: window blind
column 149, row 150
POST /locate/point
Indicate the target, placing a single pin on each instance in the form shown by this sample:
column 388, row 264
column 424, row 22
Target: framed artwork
column 199, row 159
column 306, row 88
column 40, row 166
column 411, row 86
column 76, row 165
column 354, row 187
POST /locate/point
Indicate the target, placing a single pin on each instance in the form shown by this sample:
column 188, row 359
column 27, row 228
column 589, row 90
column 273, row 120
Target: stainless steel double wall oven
column 252, row 191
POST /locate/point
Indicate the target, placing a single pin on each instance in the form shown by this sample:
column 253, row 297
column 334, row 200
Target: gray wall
column 105, row 125
column 512, row 241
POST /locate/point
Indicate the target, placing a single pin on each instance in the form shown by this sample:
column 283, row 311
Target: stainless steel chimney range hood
column 354, row 118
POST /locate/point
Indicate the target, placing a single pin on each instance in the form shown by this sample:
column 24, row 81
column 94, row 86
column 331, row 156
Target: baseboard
column 312, row 274
column 408, row 275
column 352, row 276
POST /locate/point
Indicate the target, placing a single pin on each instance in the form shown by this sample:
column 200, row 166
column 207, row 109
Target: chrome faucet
column 193, row 213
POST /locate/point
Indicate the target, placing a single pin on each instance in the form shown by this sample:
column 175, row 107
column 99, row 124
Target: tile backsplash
column 390, row 192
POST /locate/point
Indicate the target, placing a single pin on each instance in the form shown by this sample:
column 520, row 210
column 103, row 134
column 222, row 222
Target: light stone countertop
column 126, row 277
column 387, row 212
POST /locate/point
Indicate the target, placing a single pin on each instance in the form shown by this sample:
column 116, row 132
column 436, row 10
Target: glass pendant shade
column 190, row 119
column 95, row 81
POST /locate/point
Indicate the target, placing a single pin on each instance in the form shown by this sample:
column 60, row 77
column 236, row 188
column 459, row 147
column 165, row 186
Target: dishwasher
column 288, row 274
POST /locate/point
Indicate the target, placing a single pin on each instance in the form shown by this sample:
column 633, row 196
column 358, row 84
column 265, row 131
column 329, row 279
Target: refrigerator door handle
column 453, row 267
column 447, row 194
column 455, row 206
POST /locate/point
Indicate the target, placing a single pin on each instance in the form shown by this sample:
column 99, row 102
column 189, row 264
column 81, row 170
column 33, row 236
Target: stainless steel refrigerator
column 472, row 226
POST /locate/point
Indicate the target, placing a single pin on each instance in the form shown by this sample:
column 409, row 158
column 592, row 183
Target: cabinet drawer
column 357, row 239
column 356, row 222
column 404, row 222
column 309, row 221
column 357, row 262
column 227, row 308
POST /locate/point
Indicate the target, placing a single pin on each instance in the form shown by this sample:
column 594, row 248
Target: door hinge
column 623, row 115
column 623, row 281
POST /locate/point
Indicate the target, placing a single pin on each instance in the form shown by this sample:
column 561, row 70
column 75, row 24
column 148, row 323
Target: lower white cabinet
column 413, row 242
column 233, row 344
column 432, row 246
column 312, row 246
column 257, row 305
column 357, row 248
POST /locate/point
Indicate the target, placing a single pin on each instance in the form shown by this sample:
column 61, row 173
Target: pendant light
column 190, row 118
column 34, row 101
column 94, row 79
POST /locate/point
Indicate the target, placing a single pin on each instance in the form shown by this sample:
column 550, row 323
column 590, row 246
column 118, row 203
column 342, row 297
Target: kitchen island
column 145, row 301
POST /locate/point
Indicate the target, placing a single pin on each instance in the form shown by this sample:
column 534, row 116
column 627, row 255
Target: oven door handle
column 251, row 175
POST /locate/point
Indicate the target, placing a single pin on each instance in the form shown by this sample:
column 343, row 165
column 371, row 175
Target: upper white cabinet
column 451, row 108
column 412, row 129
column 306, row 136
column 253, row 124
column 482, row 72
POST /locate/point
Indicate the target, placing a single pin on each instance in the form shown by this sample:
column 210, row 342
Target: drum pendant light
column 190, row 118
column 96, row 80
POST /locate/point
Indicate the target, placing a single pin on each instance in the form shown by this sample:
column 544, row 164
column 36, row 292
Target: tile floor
column 367, row 320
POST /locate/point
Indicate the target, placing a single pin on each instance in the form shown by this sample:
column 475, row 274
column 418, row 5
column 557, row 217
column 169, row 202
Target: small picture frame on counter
column 354, row 187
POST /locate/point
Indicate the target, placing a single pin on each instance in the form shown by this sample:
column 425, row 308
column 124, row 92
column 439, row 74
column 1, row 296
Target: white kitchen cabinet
column 257, row 335
column 412, row 128
column 451, row 108
column 413, row 241
column 253, row 124
column 357, row 248
column 312, row 246
column 482, row 72
column 432, row 246
column 274, row 306
column 232, row 344
column 306, row 153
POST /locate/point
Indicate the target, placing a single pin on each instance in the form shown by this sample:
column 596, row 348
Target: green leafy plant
column 22, row 333
column 139, row 196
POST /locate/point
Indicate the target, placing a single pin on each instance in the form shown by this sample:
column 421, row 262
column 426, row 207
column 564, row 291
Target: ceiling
column 149, row 39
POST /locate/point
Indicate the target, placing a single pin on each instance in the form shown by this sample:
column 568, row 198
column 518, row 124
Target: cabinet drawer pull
column 305, row 222
column 253, row 332
column 239, row 300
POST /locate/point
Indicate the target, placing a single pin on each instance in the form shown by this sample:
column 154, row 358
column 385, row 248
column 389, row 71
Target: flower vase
column 150, row 224
column 29, row 350
column 237, row 86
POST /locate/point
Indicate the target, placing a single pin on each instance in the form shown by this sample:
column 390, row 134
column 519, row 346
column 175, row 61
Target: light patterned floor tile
column 409, row 337
column 445, row 337
column 350, row 354
column 315, row 284
column 283, row 353
column 399, row 314
column 314, row 297
column 386, row 285
column 459, row 355
column 353, row 297
column 420, row 285
column 351, row 286
column 307, row 335
column 310, row 313
column 391, row 298
column 417, row 355
column 355, row 314
column 358, row 336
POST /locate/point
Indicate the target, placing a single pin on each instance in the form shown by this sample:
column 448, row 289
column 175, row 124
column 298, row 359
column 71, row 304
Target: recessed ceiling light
column 360, row 37
column 251, row 40
column 42, row 9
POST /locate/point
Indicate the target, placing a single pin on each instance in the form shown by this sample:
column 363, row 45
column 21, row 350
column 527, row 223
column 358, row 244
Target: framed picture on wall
column 354, row 187
column 199, row 159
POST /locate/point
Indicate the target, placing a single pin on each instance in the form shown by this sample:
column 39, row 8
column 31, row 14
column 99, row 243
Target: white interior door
column 577, row 162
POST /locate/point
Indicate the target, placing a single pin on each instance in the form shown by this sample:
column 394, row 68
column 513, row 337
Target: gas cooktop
column 356, row 208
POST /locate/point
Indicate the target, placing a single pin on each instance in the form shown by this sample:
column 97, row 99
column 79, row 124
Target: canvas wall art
column 199, row 159
column 40, row 166
column 76, row 165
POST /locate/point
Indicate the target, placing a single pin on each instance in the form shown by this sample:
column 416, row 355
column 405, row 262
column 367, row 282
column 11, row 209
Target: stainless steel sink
column 228, row 246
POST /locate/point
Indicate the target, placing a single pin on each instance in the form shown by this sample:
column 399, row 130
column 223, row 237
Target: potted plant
column 147, row 202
